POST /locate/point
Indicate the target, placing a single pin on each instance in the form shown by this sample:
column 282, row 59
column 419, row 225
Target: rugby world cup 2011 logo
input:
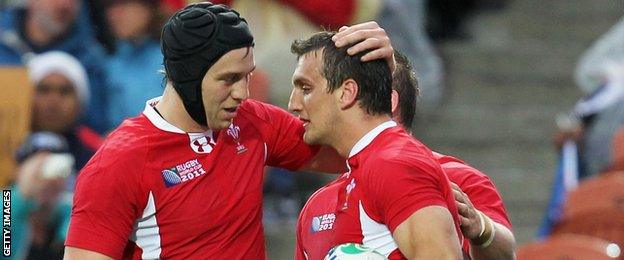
column 171, row 177
column 323, row 222
column 182, row 173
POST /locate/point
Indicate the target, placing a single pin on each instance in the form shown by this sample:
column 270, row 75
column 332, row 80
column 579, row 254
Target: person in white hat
column 60, row 96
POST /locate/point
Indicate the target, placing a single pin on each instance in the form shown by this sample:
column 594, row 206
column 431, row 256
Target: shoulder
column 127, row 144
column 260, row 112
column 258, row 108
column 396, row 147
column 461, row 173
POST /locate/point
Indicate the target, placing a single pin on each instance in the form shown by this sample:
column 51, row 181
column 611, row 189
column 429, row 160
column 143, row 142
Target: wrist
column 487, row 236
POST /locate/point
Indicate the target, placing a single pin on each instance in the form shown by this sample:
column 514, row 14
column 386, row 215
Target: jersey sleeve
column 107, row 200
column 480, row 190
column 400, row 188
column 283, row 135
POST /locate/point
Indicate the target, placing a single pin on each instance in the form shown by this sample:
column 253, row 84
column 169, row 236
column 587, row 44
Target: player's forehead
column 309, row 67
column 239, row 60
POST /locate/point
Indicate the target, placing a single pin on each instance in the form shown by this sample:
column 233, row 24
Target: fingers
column 464, row 222
column 381, row 53
column 366, row 36
column 348, row 30
column 459, row 195
column 464, row 210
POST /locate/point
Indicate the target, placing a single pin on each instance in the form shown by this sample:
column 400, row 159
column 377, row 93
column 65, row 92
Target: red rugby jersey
column 391, row 176
column 155, row 192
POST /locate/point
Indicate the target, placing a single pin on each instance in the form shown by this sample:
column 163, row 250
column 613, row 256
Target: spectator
column 47, row 25
column 594, row 66
column 61, row 92
column 40, row 212
column 133, row 69
column 405, row 22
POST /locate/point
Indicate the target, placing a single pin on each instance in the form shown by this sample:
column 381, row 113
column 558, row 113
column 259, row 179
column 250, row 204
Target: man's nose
column 294, row 102
column 240, row 90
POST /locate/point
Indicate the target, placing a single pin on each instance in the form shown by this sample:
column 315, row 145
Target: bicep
column 72, row 253
column 428, row 233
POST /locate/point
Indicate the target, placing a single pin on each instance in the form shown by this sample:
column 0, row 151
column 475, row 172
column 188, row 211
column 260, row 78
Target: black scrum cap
column 192, row 41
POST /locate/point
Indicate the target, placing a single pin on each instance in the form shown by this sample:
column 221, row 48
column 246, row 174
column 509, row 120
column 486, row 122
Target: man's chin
column 309, row 139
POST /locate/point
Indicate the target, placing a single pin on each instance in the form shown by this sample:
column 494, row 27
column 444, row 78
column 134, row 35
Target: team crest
column 348, row 190
column 234, row 132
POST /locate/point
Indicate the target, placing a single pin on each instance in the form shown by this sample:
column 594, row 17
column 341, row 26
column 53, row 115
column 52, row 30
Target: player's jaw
column 310, row 136
column 222, row 116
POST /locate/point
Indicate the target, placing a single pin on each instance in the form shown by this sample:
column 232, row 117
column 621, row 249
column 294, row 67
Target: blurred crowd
column 93, row 63
column 588, row 189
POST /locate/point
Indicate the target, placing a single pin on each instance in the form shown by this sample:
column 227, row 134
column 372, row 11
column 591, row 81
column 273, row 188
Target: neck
column 353, row 129
column 172, row 110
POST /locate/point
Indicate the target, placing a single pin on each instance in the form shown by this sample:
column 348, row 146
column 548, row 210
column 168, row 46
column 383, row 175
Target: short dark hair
column 374, row 78
column 405, row 83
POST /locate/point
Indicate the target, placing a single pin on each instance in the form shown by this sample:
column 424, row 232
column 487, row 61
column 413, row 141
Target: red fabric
column 328, row 13
column 393, row 177
column 211, row 210
column 90, row 138
column 173, row 4
column 479, row 188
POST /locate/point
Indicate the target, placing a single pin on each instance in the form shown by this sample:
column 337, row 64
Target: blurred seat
column 596, row 208
column 605, row 192
column 569, row 247
column 605, row 224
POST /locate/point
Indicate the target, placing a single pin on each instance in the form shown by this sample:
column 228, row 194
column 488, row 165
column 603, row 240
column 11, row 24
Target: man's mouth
column 231, row 109
column 305, row 122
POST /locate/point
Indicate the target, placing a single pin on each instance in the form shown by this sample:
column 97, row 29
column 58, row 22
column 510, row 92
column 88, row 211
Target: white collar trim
column 156, row 119
column 368, row 137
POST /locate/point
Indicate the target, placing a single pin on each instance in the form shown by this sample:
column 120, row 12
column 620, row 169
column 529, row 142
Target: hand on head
column 368, row 36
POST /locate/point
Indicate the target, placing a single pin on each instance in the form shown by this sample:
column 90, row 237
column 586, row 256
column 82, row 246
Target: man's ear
column 394, row 101
column 348, row 94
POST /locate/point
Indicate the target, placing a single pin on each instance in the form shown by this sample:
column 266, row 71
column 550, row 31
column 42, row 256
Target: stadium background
column 509, row 68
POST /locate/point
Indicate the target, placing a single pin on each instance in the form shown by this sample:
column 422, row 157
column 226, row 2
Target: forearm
column 502, row 244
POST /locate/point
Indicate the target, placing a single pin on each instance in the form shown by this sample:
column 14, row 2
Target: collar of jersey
column 161, row 123
column 368, row 137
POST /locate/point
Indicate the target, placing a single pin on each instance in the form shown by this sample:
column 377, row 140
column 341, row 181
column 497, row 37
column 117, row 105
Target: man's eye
column 232, row 79
column 306, row 90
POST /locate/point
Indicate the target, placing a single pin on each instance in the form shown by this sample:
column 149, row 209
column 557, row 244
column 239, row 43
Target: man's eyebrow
column 235, row 73
column 300, row 81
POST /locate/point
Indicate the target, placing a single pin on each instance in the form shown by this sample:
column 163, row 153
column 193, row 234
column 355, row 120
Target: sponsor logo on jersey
column 323, row 222
column 182, row 173
column 234, row 132
column 202, row 143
